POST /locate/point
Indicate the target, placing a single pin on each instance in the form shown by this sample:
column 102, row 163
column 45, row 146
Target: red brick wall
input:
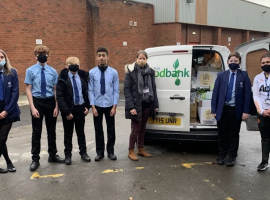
column 256, row 35
column 236, row 38
column 206, row 35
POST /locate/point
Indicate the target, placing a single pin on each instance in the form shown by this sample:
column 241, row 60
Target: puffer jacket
column 133, row 99
column 64, row 91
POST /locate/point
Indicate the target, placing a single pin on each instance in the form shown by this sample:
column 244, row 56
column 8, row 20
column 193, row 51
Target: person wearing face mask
column 9, row 109
column 261, row 96
column 72, row 98
column 230, row 105
column 104, row 95
column 40, row 83
column 141, row 102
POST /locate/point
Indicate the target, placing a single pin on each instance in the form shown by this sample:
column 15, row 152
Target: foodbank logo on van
column 175, row 73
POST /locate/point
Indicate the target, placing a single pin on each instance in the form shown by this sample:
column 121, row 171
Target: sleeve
column 115, row 88
column 60, row 97
column 155, row 92
column 86, row 100
column 28, row 77
column 256, row 96
column 215, row 95
column 128, row 92
column 247, row 94
column 15, row 93
column 55, row 77
column 91, row 94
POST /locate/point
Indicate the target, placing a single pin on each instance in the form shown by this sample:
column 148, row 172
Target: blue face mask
column 2, row 63
column 233, row 66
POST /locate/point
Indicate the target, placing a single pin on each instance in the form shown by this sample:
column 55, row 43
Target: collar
column 45, row 66
column 235, row 73
column 71, row 75
column 2, row 70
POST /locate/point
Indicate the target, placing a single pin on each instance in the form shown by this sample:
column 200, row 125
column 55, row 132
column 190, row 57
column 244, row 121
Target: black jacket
column 64, row 91
column 133, row 99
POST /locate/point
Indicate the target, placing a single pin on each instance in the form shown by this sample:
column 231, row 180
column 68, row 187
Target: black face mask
column 266, row 68
column 42, row 58
column 73, row 68
column 233, row 66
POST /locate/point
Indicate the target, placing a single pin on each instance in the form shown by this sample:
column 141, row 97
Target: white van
column 173, row 67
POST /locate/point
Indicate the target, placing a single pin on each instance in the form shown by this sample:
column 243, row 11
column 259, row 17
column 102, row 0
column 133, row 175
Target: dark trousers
column 45, row 108
column 228, row 132
column 264, row 127
column 79, row 121
column 138, row 130
column 110, row 121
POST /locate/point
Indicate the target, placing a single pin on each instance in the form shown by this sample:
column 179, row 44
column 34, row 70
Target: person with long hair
column 141, row 101
column 9, row 109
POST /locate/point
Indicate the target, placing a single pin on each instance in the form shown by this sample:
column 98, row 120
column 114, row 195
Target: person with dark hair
column 104, row 95
column 261, row 96
column 230, row 105
column 72, row 98
column 41, row 80
column 9, row 109
column 141, row 101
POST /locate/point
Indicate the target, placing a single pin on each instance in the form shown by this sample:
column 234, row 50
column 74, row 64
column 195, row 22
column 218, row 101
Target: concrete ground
column 176, row 171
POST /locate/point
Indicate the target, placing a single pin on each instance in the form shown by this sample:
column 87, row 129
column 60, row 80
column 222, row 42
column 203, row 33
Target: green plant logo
column 175, row 66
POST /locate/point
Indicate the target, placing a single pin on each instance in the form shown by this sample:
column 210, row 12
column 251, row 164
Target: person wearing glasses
column 9, row 109
column 41, row 80
column 261, row 96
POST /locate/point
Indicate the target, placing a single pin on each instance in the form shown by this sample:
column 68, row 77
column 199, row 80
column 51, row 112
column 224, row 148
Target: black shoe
column 2, row 171
column 99, row 157
column 231, row 162
column 85, row 157
column 221, row 160
column 68, row 160
column 112, row 156
column 56, row 159
column 11, row 168
column 263, row 166
column 34, row 165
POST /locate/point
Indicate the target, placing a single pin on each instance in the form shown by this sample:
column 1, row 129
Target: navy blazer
column 242, row 93
column 11, row 94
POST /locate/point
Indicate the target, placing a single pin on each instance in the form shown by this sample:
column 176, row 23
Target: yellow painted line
column 229, row 198
column 43, row 151
column 191, row 165
column 206, row 181
column 107, row 171
column 36, row 175
column 139, row 167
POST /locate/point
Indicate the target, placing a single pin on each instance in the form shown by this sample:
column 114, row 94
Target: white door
column 173, row 76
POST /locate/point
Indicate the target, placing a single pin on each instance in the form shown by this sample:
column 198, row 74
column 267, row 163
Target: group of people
column 231, row 105
column 73, row 93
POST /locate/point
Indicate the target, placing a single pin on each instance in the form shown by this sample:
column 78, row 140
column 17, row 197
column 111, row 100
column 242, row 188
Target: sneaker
column 231, row 162
column 221, row 160
column 263, row 166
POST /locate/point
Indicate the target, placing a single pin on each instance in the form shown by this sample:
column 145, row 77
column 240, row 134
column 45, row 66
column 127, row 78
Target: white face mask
column 2, row 63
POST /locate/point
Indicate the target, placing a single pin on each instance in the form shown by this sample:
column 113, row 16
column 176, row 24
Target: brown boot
column 132, row 155
column 142, row 152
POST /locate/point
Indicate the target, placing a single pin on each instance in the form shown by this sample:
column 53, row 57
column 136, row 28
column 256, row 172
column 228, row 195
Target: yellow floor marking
column 43, row 151
column 36, row 175
column 107, row 171
column 229, row 198
column 206, row 181
column 191, row 165
column 139, row 167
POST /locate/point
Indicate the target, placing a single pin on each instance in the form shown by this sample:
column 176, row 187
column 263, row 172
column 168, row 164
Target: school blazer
column 11, row 94
column 242, row 93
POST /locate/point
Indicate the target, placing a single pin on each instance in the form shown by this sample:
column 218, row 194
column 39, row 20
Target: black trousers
column 79, row 122
column 110, row 121
column 228, row 132
column 45, row 108
column 4, row 131
column 264, row 127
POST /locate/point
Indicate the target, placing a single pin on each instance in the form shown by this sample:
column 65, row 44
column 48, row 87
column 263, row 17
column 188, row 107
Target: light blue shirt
column 33, row 78
column 79, row 85
column 232, row 101
column 111, row 95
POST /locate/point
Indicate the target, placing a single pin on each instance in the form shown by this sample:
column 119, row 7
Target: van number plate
column 165, row 121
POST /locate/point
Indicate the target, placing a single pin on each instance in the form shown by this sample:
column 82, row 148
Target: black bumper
column 207, row 135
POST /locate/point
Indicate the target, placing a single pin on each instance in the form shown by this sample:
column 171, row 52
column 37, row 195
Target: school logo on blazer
column 9, row 84
column 241, row 85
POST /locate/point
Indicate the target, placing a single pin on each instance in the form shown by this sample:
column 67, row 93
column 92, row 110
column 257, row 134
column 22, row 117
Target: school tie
column 230, row 88
column 102, row 83
column 1, row 87
column 76, row 90
column 43, row 82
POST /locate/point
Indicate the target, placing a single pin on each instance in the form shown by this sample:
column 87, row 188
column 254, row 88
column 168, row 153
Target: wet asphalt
column 176, row 171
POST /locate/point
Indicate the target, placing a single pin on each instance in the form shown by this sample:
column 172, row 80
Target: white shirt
column 260, row 94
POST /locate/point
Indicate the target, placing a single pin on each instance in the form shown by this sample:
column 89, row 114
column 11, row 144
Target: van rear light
column 185, row 51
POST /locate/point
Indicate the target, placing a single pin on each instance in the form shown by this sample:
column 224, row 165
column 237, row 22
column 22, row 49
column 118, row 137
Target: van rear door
column 172, row 66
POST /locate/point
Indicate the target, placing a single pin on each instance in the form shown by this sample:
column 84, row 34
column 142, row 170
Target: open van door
column 172, row 66
column 251, row 53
